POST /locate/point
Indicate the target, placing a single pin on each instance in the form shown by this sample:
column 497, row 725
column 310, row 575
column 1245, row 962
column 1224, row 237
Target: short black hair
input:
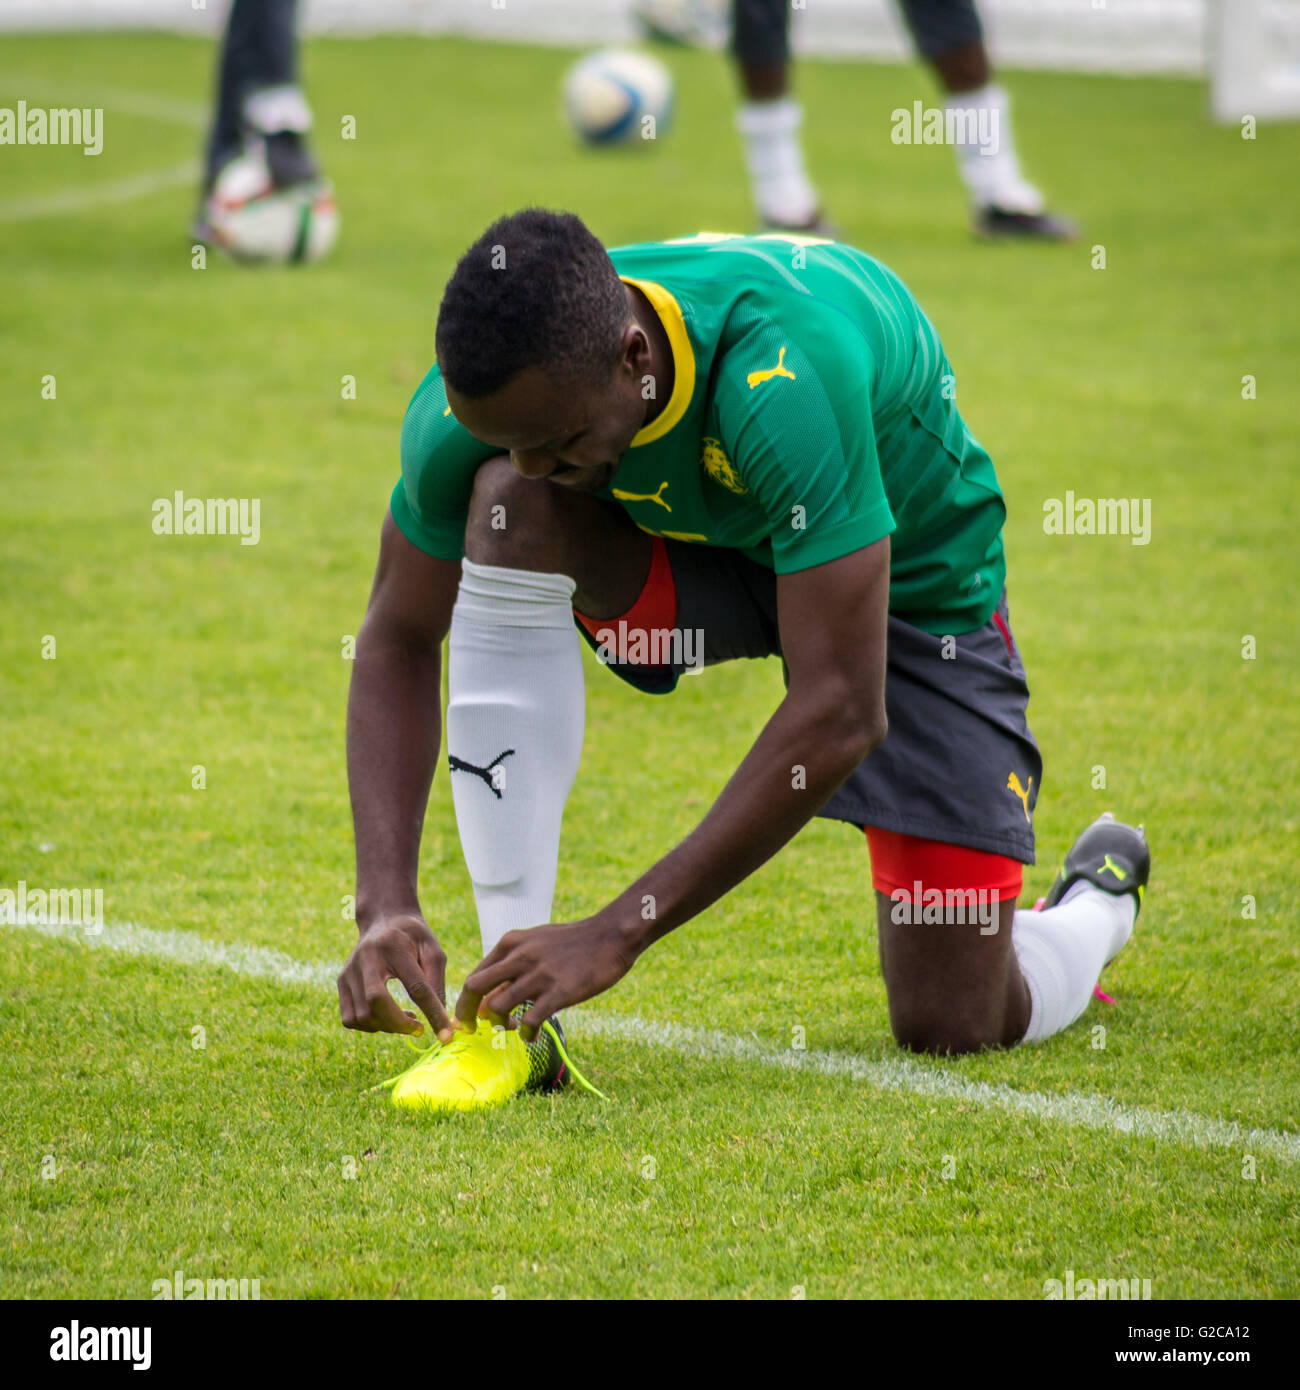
column 537, row 289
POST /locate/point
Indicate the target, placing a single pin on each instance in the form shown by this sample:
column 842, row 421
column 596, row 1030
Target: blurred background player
column 261, row 112
column 949, row 36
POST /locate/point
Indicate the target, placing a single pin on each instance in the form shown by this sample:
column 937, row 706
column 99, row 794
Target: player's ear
column 635, row 348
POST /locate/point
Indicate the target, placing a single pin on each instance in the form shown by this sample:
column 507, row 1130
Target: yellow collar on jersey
column 670, row 315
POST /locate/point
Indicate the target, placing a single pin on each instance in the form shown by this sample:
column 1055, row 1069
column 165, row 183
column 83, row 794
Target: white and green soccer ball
column 252, row 220
column 618, row 96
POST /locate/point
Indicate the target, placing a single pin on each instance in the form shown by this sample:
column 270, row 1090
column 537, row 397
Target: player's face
column 573, row 433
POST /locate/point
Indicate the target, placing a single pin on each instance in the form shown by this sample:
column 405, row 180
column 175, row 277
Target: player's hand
column 395, row 948
column 554, row 966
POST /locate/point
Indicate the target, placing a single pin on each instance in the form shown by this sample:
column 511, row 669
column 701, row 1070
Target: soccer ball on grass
column 618, row 97
column 253, row 220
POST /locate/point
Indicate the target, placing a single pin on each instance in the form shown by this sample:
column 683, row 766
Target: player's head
column 540, row 350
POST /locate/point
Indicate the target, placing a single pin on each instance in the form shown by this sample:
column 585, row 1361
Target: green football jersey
column 812, row 413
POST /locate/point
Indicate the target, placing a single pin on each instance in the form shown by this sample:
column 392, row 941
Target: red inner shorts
column 655, row 607
column 899, row 862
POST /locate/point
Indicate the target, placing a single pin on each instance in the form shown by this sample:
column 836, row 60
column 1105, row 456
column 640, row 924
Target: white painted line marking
column 892, row 1074
column 47, row 91
column 96, row 195
column 36, row 90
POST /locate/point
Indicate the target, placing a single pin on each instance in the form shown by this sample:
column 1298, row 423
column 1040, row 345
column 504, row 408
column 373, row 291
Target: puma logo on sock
column 494, row 777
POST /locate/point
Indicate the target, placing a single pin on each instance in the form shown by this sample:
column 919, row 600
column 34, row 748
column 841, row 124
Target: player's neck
column 661, row 368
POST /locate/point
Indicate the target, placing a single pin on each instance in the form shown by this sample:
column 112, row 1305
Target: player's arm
column 393, row 732
column 832, row 619
column 833, row 622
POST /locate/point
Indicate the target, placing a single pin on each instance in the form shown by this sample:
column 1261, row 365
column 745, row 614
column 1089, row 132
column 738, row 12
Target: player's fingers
column 509, row 996
column 360, row 1014
column 347, row 1009
column 383, row 1011
column 490, row 1007
column 426, row 1000
column 467, row 1002
column 432, row 960
column 479, row 983
column 507, row 959
column 531, row 1023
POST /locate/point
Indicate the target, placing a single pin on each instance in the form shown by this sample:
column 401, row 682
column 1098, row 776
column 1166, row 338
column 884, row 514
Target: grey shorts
column 958, row 764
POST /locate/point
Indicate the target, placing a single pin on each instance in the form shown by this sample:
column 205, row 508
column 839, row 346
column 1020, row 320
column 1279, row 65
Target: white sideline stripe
column 893, row 1074
column 41, row 89
column 96, row 195
column 62, row 93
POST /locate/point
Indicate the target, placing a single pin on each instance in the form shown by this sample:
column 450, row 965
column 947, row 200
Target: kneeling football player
column 684, row 453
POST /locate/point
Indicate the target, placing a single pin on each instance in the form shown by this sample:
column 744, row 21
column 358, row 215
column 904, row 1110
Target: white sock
column 986, row 152
column 515, row 683
column 1062, row 950
column 770, row 132
column 275, row 109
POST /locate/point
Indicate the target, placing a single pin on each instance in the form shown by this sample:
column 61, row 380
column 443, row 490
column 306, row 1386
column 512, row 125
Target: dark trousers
column 260, row 50
column 760, row 29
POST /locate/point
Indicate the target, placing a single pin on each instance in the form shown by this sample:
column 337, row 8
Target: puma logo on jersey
column 758, row 378
column 1013, row 785
column 656, row 496
column 493, row 775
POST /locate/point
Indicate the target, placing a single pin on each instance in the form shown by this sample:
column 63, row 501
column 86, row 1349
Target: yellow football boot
column 485, row 1067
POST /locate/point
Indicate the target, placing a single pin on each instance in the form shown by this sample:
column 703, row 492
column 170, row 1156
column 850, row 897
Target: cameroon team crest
column 719, row 467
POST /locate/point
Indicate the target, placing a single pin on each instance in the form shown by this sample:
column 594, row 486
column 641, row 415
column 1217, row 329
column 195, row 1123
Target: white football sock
column 770, row 132
column 986, row 152
column 515, row 713
column 276, row 109
column 1061, row 952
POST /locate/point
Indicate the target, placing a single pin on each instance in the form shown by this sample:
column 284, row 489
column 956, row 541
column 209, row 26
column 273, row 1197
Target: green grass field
column 128, row 1152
